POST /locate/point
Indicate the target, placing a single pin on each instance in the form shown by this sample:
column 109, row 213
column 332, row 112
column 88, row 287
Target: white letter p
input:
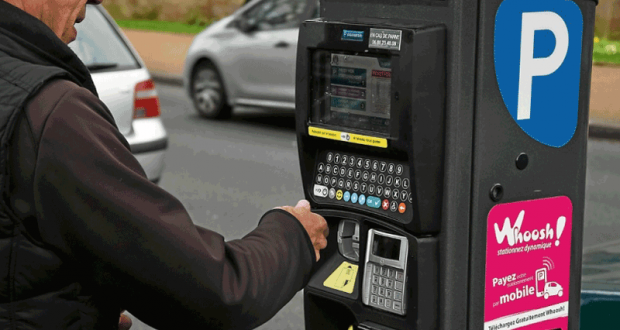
column 543, row 66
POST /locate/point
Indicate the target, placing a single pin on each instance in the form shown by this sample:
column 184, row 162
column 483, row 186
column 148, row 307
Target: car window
column 99, row 46
column 276, row 14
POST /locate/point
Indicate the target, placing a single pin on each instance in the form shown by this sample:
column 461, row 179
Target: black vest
column 27, row 266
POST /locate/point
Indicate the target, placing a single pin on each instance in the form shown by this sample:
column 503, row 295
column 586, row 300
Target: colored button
column 332, row 193
column 354, row 198
column 402, row 208
column 362, row 199
column 339, row 195
column 373, row 202
column 386, row 204
column 346, row 196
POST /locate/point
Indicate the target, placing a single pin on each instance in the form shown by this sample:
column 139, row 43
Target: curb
column 604, row 131
column 166, row 78
column 597, row 130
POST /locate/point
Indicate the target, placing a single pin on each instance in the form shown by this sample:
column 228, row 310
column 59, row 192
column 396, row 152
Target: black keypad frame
column 363, row 170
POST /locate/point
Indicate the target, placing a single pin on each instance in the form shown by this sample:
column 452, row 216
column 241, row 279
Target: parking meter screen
column 386, row 247
column 352, row 91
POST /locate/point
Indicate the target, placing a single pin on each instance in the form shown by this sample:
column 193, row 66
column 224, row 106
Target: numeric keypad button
column 358, row 174
column 345, row 158
column 403, row 196
column 397, row 182
column 359, row 163
column 356, row 186
column 389, row 180
column 321, row 168
column 348, row 185
column 367, row 164
column 340, row 183
column 382, row 166
column 319, row 178
column 363, row 187
column 343, row 171
column 350, row 173
column 399, row 169
column 351, row 161
column 330, row 157
column 371, row 189
column 334, row 181
column 335, row 169
column 326, row 180
column 373, row 177
column 337, row 159
column 390, row 168
column 379, row 190
column 406, row 183
column 328, row 169
column 381, row 179
column 375, row 165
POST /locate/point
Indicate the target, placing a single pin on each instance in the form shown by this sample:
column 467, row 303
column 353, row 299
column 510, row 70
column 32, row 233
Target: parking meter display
column 353, row 91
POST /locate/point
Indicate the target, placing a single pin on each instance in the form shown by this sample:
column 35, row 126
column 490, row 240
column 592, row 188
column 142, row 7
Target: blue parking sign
column 537, row 53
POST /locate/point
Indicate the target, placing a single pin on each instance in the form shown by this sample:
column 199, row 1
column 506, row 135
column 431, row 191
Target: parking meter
column 445, row 144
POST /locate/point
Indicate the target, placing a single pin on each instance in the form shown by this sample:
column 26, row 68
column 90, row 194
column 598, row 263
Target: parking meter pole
column 487, row 116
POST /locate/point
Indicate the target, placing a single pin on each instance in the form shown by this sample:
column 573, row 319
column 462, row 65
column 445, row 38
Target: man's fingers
column 304, row 204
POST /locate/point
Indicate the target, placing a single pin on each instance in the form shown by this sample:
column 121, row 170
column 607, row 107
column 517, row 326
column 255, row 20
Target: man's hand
column 124, row 322
column 315, row 225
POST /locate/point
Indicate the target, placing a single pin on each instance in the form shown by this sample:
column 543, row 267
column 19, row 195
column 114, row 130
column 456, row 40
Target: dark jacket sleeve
column 137, row 241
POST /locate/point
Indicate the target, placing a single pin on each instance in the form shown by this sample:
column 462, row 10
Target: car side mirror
column 247, row 25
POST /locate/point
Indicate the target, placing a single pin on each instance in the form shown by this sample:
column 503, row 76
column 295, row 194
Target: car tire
column 560, row 293
column 208, row 92
column 546, row 295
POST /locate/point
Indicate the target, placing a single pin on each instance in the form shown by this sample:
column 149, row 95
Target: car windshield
column 99, row 46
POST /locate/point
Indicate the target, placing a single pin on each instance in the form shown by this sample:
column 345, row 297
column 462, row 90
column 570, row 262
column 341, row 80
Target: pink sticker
column 528, row 265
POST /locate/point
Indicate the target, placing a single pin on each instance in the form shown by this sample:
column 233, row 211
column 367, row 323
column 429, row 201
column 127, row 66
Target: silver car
column 125, row 86
column 247, row 58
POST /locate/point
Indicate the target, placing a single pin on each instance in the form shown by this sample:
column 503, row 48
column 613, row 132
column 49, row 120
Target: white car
column 247, row 58
column 125, row 86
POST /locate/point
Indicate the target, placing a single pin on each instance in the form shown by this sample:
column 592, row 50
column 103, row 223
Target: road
column 228, row 173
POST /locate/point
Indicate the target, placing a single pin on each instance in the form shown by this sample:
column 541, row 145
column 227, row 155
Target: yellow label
column 347, row 137
column 339, row 195
column 343, row 278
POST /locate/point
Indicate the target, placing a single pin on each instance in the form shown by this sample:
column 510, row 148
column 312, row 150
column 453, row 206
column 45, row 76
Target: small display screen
column 352, row 91
column 386, row 247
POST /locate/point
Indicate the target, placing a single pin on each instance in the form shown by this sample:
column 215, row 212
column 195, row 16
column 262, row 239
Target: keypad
column 378, row 184
column 386, row 288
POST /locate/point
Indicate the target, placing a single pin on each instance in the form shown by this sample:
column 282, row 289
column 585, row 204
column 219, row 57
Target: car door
column 266, row 69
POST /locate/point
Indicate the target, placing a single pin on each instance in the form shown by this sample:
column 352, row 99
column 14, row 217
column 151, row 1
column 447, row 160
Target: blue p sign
column 537, row 49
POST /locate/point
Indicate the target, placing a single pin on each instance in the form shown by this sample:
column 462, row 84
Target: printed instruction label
column 385, row 39
column 528, row 265
column 343, row 278
column 347, row 137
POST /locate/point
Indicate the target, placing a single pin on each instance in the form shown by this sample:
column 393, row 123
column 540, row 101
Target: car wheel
column 208, row 93
column 560, row 293
column 546, row 295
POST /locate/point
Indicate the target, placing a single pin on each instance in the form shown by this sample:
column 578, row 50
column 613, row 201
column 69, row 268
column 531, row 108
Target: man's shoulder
column 64, row 97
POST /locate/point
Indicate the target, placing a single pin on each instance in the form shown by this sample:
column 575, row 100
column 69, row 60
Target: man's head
column 58, row 15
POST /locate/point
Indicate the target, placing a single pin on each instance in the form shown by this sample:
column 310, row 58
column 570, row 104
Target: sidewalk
column 164, row 54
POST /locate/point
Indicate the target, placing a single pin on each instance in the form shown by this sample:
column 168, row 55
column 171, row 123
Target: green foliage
column 161, row 26
column 606, row 51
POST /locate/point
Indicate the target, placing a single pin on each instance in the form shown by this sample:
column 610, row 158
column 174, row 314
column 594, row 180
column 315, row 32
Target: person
column 84, row 235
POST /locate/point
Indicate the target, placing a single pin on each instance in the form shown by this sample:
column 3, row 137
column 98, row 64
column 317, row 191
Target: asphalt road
column 228, row 173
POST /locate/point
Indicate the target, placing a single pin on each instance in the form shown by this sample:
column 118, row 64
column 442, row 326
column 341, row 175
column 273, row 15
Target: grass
column 606, row 51
column 172, row 27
